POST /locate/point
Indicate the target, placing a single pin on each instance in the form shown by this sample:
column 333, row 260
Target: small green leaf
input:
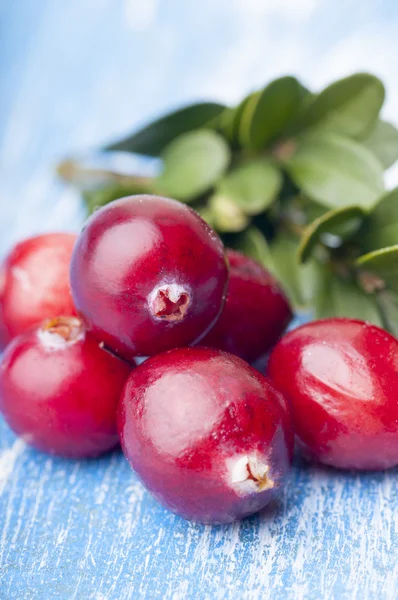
column 193, row 163
column 336, row 171
column 381, row 227
column 335, row 222
column 153, row 138
column 206, row 214
column 267, row 114
column 224, row 123
column 299, row 281
column 382, row 263
column 230, row 120
column 253, row 243
column 382, row 140
column 388, row 305
column 237, row 125
column 226, row 215
column 348, row 106
column 338, row 298
column 100, row 196
column 253, row 187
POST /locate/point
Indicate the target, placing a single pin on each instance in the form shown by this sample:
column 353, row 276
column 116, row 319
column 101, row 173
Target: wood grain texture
column 74, row 75
column 89, row 530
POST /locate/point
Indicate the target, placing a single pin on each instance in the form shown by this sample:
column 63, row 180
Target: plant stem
column 82, row 177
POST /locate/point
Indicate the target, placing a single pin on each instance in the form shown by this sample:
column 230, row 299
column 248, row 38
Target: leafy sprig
column 290, row 177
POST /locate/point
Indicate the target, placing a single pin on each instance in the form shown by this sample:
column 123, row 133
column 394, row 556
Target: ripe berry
column 255, row 314
column 341, row 378
column 34, row 283
column 207, row 434
column 59, row 390
column 148, row 274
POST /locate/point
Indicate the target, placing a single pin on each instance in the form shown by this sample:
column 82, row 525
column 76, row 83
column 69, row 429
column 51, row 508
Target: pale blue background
column 77, row 73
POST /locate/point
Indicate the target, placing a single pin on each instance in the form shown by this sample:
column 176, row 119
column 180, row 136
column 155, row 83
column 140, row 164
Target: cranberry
column 148, row 274
column 34, row 283
column 341, row 378
column 59, row 390
column 255, row 314
column 207, row 434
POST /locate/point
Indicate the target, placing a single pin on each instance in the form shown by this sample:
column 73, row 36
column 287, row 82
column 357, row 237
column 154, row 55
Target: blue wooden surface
column 75, row 73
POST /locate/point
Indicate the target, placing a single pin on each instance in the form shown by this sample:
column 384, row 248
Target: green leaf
column 336, row 171
column 381, row 227
column 100, row 196
column 253, row 243
column 388, row 306
column 335, row 222
column 253, row 187
column 206, row 214
column 226, row 215
column 348, row 106
column 229, row 121
column 338, row 298
column 382, row 140
column 193, row 163
column 224, row 123
column 299, row 281
column 268, row 113
column 382, row 263
column 154, row 137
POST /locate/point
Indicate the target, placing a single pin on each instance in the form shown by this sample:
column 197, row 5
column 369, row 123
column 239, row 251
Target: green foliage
column 192, row 164
column 152, row 139
column 99, row 196
column 349, row 106
column 292, row 178
column 382, row 141
column 339, row 223
column 336, row 171
column 269, row 112
column 380, row 229
column 253, row 187
column 383, row 264
column 342, row 298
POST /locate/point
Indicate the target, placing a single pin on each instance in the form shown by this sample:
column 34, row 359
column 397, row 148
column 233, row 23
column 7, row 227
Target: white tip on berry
column 248, row 474
column 169, row 301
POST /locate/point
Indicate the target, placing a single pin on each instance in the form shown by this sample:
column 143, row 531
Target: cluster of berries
column 209, row 435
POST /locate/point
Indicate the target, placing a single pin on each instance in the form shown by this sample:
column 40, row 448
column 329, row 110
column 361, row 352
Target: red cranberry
column 255, row 314
column 341, row 378
column 34, row 283
column 59, row 390
column 207, row 434
column 148, row 274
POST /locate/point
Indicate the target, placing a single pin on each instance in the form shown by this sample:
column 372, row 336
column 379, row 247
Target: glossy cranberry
column 34, row 283
column 59, row 390
column 255, row 314
column 207, row 434
column 341, row 379
column 148, row 274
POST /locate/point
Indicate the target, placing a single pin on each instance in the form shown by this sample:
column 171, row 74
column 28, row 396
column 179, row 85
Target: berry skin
column 34, row 283
column 59, row 390
column 148, row 274
column 341, row 379
column 255, row 314
column 206, row 433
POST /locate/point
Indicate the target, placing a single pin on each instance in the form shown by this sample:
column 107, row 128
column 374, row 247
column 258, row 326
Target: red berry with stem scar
column 255, row 314
column 148, row 274
column 207, row 434
column 59, row 389
column 341, row 379
column 34, row 283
